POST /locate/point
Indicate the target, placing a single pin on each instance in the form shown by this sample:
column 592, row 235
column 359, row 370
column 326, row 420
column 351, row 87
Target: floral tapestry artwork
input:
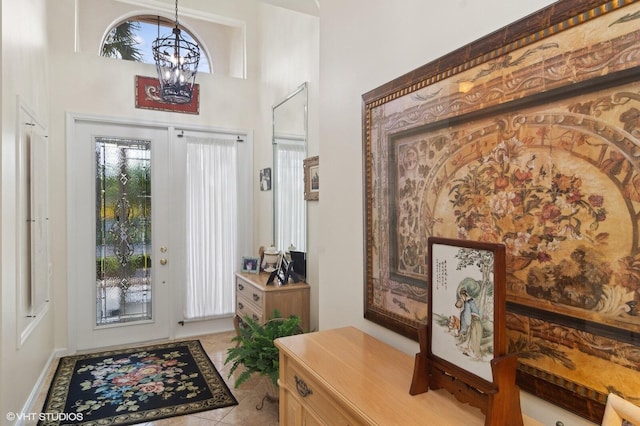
column 135, row 386
column 538, row 149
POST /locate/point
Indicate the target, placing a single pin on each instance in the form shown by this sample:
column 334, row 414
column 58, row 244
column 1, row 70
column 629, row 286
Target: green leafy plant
column 255, row 348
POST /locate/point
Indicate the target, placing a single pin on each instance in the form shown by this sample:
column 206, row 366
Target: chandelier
column 177, row 64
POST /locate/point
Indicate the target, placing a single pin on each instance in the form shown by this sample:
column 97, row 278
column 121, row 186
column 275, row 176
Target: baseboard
column 28, row 407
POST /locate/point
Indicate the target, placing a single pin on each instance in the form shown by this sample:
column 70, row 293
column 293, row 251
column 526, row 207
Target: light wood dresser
column 346, row 377
column 258, row 300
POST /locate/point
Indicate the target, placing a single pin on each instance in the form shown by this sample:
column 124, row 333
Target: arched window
column 131, row 40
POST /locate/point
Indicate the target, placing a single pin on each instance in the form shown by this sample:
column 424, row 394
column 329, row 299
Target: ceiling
column 310, row 7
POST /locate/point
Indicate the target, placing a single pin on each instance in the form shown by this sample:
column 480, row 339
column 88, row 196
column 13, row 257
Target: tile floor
column 249, row 394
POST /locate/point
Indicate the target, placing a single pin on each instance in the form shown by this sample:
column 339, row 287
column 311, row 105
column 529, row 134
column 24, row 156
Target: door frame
column 245, row 234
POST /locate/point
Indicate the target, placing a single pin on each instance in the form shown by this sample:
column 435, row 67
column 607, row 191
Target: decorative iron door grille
column 123, row 230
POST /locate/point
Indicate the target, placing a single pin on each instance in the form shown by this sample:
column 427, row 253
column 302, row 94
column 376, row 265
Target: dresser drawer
column 244, row 308
column 248, row 292
column 314, row 398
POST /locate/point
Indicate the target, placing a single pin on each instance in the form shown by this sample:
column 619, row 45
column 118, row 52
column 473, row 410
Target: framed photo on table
column 250, row 264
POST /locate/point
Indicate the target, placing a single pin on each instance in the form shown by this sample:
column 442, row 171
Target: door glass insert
column 123, row 230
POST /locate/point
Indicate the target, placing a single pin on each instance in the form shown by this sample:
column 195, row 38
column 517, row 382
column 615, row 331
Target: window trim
column 165, row 23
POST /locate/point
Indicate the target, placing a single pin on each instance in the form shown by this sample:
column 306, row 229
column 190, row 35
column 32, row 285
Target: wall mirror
column 289, row 151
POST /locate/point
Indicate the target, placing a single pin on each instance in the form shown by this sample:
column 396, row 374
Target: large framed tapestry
column 528, row 137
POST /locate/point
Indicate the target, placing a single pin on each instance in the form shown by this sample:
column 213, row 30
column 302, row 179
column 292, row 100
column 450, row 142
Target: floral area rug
column 123, row 387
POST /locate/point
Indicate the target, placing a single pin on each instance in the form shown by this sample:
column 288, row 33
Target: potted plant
column 256, row 351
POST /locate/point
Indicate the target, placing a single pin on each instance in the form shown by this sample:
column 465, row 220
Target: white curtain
column 211, row 194
column 290, row 217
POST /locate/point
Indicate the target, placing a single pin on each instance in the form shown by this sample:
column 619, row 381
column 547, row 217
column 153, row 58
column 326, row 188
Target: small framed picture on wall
column 265, row 179
column 312, row 178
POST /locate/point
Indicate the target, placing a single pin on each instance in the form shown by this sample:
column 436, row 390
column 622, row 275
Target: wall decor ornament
column 467, row 309
column 148, row 97
column 265, row 179
column 312, row 178
column 527, row 137
column 463, row 344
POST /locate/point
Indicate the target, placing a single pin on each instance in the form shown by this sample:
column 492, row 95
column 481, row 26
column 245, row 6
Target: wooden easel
column 499, row 401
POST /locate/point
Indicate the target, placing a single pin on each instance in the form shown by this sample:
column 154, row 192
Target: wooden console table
column 344, row 376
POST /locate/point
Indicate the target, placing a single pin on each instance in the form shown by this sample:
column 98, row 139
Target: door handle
column 163, row 261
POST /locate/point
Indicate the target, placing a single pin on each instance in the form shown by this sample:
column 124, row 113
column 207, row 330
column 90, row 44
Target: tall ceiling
column 310, row 7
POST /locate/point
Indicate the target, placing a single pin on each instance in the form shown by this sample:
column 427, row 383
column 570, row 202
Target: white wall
column 364, row 44
column 24, row 75
column 88, row 84
column 82, row 82
column 85, row 84
column 289, row 56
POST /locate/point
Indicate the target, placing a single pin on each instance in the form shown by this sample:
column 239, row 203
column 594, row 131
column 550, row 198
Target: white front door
column 118, row 233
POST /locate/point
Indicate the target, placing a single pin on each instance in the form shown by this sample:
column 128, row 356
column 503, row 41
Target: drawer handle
column 302, row 387
column 240, row 287
column 240, row 305
column 256, row 297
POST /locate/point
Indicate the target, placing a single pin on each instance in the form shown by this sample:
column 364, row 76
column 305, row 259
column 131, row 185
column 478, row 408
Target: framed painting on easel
column 467, row 305
column 463, row 345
